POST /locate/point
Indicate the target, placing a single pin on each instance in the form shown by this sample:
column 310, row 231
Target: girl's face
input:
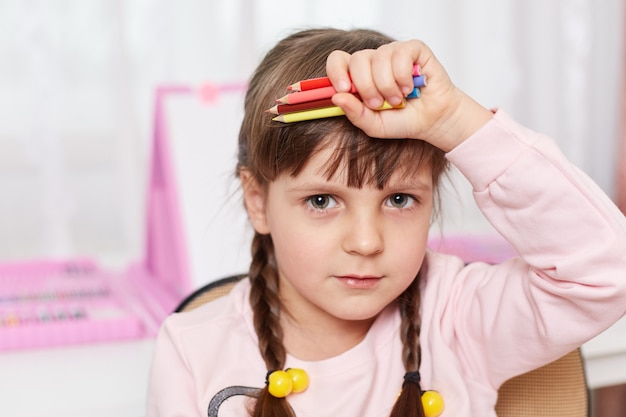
column 343, row 253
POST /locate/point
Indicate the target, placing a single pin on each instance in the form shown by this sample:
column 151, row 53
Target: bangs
column 269, row 148
column 364, row 161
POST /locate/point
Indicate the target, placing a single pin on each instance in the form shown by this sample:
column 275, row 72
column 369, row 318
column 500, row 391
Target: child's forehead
column 329, row 153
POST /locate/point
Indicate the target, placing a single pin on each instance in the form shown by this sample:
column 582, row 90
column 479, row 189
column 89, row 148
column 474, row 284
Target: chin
column 363, row 315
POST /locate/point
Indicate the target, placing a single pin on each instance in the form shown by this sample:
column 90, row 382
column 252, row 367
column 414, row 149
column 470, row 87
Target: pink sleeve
column 569, row 282
column 171, row 391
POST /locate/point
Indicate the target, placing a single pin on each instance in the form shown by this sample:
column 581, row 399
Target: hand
column 443, row 115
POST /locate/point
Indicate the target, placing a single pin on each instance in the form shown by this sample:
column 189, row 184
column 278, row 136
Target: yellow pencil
column 324, row 112
column 300, row 116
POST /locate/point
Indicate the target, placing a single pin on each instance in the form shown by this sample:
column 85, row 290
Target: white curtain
column 606, row 399
column 77, row 80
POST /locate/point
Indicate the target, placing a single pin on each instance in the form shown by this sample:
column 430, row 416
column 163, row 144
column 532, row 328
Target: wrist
column 462, row 121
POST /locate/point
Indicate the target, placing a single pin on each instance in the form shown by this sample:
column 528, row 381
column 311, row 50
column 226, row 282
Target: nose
column 363, row 234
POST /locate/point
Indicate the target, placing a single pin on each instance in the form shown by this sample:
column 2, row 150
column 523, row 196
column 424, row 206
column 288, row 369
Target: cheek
column 298, row 249
column 412, row 254
column 295, row 236
column 409, row 245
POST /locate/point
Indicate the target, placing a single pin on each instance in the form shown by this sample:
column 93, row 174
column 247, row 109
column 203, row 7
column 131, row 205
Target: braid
column 409, row 403
column 266, row 308
column 410, row 327
column 265, row 303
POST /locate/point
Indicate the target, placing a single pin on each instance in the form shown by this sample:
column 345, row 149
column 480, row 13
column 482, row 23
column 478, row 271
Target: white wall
column 77, row 80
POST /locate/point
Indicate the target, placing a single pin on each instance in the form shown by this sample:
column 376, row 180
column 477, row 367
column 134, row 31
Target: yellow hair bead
column 299, row 378
column 279, row 384
column 432, row 403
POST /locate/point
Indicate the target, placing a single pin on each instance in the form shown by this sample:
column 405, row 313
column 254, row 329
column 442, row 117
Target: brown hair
column 268, row 149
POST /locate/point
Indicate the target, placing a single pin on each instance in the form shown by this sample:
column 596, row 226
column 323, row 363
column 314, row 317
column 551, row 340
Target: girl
column 342, row 289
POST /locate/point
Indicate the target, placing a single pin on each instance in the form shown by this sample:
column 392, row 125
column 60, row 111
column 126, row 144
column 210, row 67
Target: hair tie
column 282, row 383
column 267, row 375
column 413, row 377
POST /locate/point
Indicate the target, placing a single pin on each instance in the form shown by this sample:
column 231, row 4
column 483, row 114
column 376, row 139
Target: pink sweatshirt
column 481, row 324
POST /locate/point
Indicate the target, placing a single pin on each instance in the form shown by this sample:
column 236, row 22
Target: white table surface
column 104, row 380
column 110, row 379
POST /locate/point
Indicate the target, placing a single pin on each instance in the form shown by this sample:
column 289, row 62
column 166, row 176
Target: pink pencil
column 309, row 95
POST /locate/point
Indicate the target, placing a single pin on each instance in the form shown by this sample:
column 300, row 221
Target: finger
column 361, row 74
column 355, row 110
column 402, row 61
column 337, row 66
column 383, row 74
column 350, row 103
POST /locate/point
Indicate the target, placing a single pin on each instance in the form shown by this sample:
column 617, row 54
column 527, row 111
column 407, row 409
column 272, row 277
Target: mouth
column 358, row 281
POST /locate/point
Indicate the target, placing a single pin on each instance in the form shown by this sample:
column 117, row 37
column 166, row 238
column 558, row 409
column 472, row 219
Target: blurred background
column 78, row 80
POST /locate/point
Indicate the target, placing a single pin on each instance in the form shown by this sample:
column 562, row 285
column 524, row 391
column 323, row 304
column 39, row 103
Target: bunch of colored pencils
column 312, row 99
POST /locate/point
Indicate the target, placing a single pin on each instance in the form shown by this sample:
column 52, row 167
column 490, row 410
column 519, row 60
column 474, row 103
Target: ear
column 254, row 199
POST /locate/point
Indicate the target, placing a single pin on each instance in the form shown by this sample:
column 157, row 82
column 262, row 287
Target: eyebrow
column 330, row 187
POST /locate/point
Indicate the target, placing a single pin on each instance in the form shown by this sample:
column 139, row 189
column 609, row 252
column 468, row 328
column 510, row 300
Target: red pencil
column 322, row 82
column 310, row 84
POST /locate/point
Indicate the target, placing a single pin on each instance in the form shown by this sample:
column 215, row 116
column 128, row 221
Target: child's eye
column 321, row 201
column 400, row 201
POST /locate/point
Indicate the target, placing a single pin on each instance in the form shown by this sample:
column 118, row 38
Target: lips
column 359, row 282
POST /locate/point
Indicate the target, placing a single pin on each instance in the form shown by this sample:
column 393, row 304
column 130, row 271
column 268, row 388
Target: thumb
column 358, row 114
